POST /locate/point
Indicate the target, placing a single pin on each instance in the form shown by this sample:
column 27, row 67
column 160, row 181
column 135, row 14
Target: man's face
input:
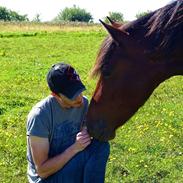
column 77, row 102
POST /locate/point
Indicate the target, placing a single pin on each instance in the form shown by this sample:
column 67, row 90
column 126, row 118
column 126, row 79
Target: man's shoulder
column 43, row 103
column 38, row 119
column 40, row 107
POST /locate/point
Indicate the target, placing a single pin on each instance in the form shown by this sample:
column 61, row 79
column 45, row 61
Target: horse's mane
column 103, row 55
column 167, row 19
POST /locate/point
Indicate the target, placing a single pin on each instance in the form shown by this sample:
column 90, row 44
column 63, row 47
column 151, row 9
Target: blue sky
column 48, row 9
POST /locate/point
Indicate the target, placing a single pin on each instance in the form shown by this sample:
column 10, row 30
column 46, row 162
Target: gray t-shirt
column 48, row 119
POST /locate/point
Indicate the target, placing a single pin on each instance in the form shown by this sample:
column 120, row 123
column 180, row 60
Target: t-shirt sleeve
column 36, row 124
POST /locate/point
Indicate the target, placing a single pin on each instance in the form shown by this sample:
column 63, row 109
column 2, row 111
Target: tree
column 37, row 18
column 14, row 16
column 4, row 14
column 115, row 16
column 8, row 15
column 141, row 14
column 73, row 14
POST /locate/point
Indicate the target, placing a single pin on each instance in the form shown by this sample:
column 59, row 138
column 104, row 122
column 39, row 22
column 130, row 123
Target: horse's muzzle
column 100, row 131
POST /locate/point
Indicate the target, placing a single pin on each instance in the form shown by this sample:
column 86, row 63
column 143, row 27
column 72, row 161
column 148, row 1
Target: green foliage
column 4, row 14
column 141, row 14
column 74, row 14
column 8, row 15
column 116, row 16
column 36, row 18
column 147, row 149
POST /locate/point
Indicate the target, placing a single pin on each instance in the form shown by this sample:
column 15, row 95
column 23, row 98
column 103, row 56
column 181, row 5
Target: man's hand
column 46, row 166
column 83, row 139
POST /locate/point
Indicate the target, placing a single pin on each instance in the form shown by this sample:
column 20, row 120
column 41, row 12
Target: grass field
column 147, row 149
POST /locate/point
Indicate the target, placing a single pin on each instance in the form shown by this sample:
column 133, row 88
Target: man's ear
column 55, row 95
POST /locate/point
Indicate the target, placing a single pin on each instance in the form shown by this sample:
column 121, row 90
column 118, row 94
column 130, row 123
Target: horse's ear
column 113, row 23
column 117, row 35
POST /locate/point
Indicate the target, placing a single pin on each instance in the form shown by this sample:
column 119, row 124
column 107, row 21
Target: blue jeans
column 88, row 166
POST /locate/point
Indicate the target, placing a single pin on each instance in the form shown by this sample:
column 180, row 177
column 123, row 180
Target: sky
column 49, row 9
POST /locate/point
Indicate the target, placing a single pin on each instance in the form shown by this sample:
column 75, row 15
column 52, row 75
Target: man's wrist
column 73, row 149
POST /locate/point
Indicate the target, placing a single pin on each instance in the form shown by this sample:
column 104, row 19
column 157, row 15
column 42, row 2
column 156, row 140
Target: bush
column 141, row 14
column 116, row 16
column 8, row 15
column 73, row 14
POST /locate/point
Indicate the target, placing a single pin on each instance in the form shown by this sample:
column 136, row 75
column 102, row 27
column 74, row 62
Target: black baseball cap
column 62, row 78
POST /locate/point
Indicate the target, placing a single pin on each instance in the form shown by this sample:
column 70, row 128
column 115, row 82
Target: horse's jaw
column 100, row 131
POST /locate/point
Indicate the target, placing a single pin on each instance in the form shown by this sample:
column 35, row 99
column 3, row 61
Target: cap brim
column 78, row 93
column 74, row 91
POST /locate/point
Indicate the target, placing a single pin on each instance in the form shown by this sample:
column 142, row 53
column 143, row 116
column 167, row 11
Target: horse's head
column 128, row 71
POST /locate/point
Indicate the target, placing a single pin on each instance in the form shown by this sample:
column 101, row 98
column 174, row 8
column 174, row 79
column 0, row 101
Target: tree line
column 72, row 14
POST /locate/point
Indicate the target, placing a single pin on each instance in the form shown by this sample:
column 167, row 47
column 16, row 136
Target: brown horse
column 133, row 60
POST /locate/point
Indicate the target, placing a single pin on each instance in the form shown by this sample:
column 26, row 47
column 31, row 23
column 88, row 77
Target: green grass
column 149, row 148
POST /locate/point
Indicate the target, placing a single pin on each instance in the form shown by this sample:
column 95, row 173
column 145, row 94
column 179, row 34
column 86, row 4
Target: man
column 59, row 148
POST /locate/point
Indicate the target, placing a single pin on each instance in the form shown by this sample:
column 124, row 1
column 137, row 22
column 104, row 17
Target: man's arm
column 40, row 148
